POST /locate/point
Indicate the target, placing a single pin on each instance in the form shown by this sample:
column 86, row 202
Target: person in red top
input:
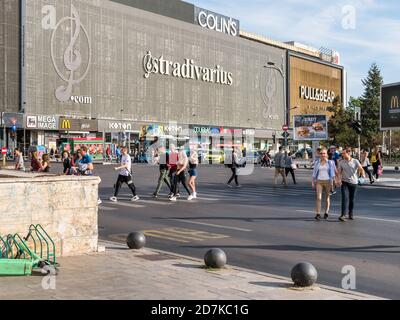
column 172, row 160
column 36, row 166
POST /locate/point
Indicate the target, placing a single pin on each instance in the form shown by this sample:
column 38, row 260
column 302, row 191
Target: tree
column 340, row 125
column 370, row 103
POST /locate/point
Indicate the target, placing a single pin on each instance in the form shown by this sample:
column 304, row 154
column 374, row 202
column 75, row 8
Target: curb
column 354, row 294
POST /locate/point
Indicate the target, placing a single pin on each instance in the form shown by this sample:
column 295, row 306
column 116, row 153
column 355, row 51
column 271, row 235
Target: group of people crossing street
column 178, row 167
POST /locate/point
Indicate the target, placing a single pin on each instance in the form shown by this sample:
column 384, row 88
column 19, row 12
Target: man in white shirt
column 125, row 175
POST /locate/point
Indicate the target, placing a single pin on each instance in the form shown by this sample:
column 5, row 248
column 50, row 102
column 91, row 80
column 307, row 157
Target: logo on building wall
column 72, row 57
column 268, row 91
column 394, row 103
column 66, row 124
column 186, row 70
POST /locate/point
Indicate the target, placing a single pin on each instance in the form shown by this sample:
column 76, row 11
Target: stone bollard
column 215, row 258
column 136, row 240
column 304, row 274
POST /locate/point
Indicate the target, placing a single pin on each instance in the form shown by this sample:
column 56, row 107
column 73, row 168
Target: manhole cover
column 157, row 257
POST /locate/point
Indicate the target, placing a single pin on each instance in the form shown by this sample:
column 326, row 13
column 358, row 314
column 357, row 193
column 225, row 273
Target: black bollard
column 215, row 258
column 136, row 240
column 304, row 274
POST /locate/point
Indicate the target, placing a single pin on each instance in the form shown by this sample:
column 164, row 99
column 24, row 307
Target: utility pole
column 357, row 126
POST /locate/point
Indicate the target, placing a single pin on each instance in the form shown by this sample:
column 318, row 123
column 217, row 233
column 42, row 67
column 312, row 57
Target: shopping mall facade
column 119, row 70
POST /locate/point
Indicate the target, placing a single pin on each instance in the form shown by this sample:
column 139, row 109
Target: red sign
column 285, row 127
column 3, row 151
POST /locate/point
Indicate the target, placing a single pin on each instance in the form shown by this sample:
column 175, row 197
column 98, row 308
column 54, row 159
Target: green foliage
column 339, row 127
column 370, row 103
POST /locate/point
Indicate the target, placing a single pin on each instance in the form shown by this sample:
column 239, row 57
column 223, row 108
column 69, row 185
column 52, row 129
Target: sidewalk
column 147, row 274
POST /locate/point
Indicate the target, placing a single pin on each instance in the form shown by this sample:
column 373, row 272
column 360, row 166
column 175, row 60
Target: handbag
column 380, row 170
column 293, row 166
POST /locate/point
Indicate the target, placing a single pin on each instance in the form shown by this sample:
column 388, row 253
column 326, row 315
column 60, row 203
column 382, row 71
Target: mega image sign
column 390, row 106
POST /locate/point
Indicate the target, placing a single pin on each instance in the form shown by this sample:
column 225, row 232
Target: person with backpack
column 234, row 166
column 376, row 161
column 280, row 165
column 164, row 171
column 124, row 176
column 290, row 166
column 323, row 176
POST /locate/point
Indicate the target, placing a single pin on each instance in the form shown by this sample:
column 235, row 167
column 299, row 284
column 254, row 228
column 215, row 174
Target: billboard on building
column 313, row 86
column 310, row 127
column 390, row 107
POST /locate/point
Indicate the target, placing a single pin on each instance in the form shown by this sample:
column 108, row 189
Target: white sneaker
column 113, row 199
column 135, row 198
column 190, row 198
column 99, row 202
column 194, row 195
column 172, row 199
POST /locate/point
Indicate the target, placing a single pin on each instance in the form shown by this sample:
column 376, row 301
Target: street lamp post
column 271, row 65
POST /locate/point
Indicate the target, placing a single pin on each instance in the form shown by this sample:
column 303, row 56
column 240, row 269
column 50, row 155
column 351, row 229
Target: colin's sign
column 214, row 21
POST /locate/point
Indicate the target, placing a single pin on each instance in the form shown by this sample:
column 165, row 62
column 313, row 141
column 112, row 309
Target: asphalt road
column 263, row 227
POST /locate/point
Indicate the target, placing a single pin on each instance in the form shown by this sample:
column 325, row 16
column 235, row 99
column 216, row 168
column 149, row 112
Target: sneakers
column 351, row 217
column 172, row 199
column 99, row 202
column 333, row 192
column 135, row 198
column 229, row 186
column 190, row 198
column 194, row 195
column 318, row 217
column 155, row 196
column 178, row 195
column 326, row 216
column 113, row 199
column 341, row 218
column 238, row 186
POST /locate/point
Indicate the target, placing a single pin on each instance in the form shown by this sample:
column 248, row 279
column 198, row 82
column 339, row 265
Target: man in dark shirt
column 164, row 171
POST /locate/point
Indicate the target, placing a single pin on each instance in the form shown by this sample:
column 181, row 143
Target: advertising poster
column 390, row 107
column 310, row 127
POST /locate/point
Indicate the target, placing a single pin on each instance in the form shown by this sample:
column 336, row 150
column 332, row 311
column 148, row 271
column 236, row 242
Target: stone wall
column 66, row 207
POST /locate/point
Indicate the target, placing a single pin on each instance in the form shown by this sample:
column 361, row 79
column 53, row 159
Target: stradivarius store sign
column 187, row 69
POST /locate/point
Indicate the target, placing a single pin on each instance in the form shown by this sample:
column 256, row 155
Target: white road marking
column 212, row 225
column 126, row 204
column 358, row 217
column 107, row 208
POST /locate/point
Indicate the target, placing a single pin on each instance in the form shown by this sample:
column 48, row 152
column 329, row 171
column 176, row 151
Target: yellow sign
column 394, row 103
column 66, row 124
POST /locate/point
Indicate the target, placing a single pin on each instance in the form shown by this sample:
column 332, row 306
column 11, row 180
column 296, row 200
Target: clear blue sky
column 362, row 31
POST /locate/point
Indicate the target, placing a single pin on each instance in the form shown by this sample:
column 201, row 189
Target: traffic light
column 357, row 126
column 274, row 138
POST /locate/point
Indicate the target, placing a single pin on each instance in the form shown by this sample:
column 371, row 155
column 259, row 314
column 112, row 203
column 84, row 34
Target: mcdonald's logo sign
column 394, row 103
column 66, row 124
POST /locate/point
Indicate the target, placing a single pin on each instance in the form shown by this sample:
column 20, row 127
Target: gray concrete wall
column 65, row 206
column 9, row 55
column 119, row 38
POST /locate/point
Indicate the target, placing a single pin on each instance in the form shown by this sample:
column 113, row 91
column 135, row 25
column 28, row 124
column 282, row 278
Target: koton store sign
column 214, row 21
column 42, row 122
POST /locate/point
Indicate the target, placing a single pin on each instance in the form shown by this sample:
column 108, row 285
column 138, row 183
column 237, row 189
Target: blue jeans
column 351, row 190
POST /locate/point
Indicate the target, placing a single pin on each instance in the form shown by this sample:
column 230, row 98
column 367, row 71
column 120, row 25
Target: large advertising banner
column 390, row 106
column 310, row 127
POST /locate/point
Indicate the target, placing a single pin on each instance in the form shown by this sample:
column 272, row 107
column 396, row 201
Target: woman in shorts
column 193, row 173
